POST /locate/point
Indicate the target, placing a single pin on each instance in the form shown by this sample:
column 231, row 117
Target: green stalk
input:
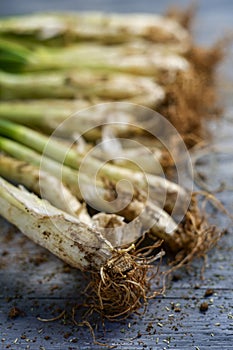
column 41, row 143
column 54, row 168
column 161, row 224
column 108, row 59
column 43, row 184
column 115, row 87
column 70, row 177
column 132, row 58
column 60, row 152
column 13, row 56
column 154, row 218
column 41, row 113
column 49, row 115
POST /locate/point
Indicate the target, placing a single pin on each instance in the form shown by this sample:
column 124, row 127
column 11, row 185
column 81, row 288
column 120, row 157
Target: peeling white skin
column 154, row 218
column 116, row 231
column 148, row 216
column 75, row 242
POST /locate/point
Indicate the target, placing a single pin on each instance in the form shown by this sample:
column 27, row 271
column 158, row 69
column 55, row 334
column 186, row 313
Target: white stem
column 64, row 235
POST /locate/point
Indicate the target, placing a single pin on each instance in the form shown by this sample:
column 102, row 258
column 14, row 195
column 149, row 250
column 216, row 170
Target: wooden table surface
column 36, row 284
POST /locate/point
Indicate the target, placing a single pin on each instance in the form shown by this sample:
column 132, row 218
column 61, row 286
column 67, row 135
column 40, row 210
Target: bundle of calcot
column 89, row 100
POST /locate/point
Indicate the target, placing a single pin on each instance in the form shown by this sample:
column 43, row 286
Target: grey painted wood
column 172, row 321
column 40, row 285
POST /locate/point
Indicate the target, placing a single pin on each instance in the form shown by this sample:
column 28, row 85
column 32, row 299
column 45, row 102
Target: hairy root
column 195, row 236
column 122, row 285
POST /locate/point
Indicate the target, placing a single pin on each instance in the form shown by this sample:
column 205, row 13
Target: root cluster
column 121, row 287
column 195, row 236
